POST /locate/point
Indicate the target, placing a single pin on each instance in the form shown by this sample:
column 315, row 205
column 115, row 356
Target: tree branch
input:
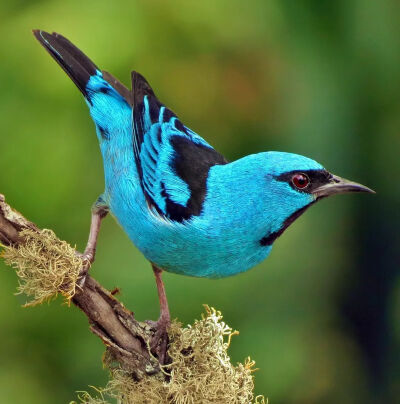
column 125, row 338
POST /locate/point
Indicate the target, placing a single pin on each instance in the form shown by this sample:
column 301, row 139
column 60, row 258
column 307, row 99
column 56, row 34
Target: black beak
column 338, row 185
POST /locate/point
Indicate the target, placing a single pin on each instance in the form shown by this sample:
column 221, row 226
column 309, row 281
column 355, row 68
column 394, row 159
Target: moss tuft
column 200, row 372
column 45, row 265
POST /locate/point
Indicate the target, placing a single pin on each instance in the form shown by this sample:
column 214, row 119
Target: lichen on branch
column 200, row 371
column 45, row 265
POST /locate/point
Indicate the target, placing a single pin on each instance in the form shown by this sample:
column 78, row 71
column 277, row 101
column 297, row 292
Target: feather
column 76, row 64
column 108, row 99
column 73, row 61
column 172, row 161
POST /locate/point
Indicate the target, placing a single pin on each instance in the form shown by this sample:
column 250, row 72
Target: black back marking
column 103, row 132
column 192, row 163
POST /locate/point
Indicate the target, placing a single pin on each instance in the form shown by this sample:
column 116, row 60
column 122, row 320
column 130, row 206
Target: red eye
column 300, row 181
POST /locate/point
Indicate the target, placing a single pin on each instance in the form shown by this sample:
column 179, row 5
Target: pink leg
column 90, row 250
column 98, row 214
column 164, row 310
column 160, row 339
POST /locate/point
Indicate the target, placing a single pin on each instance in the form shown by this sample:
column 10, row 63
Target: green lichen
column 45, row 266
column 200, row 372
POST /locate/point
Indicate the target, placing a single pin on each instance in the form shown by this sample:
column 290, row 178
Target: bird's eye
column 300, row 181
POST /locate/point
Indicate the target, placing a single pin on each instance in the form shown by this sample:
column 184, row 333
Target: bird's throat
column 268, row 239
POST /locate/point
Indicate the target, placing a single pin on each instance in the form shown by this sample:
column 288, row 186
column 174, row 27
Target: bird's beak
column 338, row 185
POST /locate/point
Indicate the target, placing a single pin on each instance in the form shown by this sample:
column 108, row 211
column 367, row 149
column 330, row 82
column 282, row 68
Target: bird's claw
column 82, row 278
column 87, row 260
column 159, row 341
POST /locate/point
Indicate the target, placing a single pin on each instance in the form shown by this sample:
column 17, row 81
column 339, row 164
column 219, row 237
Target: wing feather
column 172, row 160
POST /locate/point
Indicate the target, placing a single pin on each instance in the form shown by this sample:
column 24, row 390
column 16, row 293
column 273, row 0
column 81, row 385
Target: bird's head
column 284, row 185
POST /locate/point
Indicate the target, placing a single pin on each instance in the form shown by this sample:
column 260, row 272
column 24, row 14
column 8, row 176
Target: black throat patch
column 268, row 240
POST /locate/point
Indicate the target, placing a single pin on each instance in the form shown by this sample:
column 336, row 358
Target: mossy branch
column 47, row 266
column 200, row 369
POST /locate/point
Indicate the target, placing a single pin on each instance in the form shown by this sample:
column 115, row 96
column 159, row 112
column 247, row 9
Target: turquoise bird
column 184, row 206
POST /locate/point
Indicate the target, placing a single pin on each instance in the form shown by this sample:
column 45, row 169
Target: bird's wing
column 172, row 161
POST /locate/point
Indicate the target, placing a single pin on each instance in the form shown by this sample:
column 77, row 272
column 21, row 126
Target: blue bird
column 185, row 207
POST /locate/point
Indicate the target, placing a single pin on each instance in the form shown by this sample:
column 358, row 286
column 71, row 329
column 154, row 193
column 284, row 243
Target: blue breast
column 217, row 243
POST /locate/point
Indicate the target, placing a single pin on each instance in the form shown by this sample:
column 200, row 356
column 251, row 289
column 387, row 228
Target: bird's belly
column 203, row 260
column 192, row 248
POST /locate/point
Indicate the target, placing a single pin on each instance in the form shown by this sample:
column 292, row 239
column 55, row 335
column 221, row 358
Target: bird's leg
column 160, row 339
column 99, row 212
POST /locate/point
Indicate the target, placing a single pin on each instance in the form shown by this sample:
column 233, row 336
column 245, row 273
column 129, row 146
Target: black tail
column 74, row 62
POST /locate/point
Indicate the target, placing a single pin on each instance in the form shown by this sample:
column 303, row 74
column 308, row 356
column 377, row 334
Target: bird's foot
column 159, row 341
column 87, row 259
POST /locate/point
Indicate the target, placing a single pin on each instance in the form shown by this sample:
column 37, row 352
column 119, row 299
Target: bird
column 183, row 205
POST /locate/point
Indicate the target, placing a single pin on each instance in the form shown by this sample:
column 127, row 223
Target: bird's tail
column 73, row 61
column 109, row 100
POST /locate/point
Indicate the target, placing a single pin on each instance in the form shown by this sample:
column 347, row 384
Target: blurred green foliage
column 317, row 77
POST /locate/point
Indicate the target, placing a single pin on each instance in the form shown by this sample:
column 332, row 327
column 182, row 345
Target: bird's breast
column 216, row 243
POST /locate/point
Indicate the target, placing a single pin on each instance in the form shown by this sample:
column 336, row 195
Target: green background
column 319, row 78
